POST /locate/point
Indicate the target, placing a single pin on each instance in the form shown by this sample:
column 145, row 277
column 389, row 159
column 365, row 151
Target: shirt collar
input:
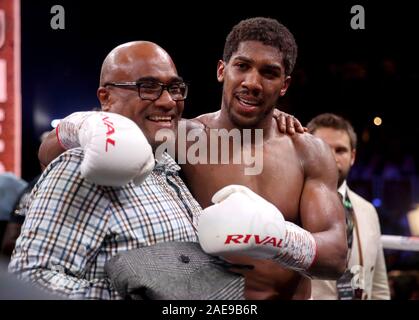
column 343, row 189
column 166, row 164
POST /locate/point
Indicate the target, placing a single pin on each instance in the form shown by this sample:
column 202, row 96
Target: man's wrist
column 299, row 250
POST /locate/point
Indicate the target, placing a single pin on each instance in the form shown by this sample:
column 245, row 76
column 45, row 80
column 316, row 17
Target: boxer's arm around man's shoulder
column 49, row 150
column 115, row 149
column 321, row 211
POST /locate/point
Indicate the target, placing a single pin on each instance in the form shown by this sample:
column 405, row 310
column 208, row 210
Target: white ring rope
column 400, row 243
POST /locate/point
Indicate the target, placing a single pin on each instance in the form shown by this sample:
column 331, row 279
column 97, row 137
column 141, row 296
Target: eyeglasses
column 152, row 90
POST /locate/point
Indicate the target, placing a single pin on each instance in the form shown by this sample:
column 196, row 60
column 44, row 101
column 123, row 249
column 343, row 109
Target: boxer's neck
column 224, row 121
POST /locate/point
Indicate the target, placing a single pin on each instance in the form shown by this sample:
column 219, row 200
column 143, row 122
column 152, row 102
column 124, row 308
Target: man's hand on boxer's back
column 287, row 123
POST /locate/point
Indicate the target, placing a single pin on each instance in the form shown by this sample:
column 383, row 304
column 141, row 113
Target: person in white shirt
column 366, row 274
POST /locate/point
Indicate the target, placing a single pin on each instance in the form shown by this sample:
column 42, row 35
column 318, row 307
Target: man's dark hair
column 268, row 31
column 330, row 120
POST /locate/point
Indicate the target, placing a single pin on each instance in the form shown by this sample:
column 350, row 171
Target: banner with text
column 10, row 87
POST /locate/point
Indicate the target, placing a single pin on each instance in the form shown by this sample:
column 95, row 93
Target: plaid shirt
column 73, row 227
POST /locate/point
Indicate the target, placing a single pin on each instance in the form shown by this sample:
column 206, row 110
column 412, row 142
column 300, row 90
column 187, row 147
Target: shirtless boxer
column 299, row 175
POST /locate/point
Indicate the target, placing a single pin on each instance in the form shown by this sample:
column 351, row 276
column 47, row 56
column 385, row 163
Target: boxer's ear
column 103, row 96
column 220, row 70
column 285, row 86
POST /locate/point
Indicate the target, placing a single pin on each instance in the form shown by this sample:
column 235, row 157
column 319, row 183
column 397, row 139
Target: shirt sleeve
column 64, row 229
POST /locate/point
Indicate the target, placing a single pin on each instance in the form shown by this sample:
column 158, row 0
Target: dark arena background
column 370, row 76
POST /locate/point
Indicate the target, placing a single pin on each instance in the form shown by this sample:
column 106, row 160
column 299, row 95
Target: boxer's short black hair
column 268, row 31
column 333, row 121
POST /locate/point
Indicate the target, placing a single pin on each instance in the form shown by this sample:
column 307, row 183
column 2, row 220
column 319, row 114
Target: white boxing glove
column 115, row 149
column 243, row 223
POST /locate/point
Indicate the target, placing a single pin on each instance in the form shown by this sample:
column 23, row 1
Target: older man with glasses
column 74, row 226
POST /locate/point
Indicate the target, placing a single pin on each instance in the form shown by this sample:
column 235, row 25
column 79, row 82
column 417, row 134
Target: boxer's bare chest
column 280, row 180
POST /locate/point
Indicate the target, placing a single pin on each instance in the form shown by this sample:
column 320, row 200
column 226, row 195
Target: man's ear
column 220, row 70
column 285, row 86
column 103, row 96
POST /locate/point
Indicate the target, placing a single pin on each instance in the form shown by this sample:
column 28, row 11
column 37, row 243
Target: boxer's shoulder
column 309, row 145
column 206, row 120
column 313, row 151
column 191, row 124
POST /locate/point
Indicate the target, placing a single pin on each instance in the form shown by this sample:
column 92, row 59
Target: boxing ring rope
column 400, row 243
